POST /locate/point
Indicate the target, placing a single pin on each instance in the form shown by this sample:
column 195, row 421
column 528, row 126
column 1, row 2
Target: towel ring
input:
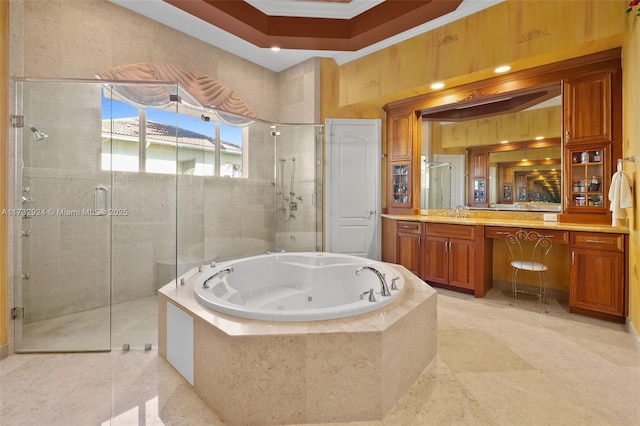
column 620, row 160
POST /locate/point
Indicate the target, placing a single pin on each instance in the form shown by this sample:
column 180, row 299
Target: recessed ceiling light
column 503, row 68
column 437, row 86
column 539, row 138
column 275, row 48
column 504, row 141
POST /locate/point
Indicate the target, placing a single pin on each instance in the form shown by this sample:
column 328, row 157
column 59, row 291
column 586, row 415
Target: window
column 143, row 139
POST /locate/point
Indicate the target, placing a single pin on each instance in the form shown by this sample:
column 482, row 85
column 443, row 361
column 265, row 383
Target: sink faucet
column 205, row 284
column 384, row 289
column 457, row 212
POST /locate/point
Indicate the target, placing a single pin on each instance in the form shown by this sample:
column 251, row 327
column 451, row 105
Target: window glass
column 120, row 138
column 231, row 152
column 196, row 152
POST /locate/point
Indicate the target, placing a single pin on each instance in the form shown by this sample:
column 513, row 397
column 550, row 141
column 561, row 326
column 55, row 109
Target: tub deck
column 265, row 372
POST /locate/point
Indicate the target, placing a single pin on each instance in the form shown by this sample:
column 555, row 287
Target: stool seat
column 528, row 265
column 528, row 251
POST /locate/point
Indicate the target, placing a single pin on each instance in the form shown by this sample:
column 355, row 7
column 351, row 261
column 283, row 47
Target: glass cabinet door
column 587, row 186
column 401, row 178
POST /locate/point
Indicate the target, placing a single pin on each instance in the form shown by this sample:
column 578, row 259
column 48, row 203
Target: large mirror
column 503, row 152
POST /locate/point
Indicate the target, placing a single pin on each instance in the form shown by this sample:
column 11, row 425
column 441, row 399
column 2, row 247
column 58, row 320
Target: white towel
column 620, row 196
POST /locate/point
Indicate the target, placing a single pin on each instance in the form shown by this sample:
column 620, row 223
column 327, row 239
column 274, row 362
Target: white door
column 352, row 209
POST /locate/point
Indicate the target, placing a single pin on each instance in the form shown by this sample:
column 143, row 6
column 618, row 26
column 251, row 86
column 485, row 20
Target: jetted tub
column 296, row 286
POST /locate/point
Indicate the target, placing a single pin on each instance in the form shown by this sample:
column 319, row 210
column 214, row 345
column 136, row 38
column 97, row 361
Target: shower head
column 38, row 135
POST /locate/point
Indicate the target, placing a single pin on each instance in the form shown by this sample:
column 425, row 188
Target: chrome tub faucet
column 384, row 288
column 205, row 284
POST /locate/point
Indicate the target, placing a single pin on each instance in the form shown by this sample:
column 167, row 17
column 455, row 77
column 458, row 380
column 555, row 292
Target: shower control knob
column 26, row 276
column 26, row 189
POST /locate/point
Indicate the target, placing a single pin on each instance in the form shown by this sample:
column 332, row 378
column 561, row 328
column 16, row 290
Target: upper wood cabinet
column 401, row 136
column 587, row 102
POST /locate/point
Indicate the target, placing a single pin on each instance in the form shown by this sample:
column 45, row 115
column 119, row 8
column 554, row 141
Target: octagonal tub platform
column 265, row 372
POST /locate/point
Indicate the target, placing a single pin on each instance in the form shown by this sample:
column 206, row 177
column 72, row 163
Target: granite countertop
column 496, row 218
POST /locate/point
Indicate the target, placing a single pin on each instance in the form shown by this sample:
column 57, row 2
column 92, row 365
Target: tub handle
column 100, row 200
column 370, row 293
column 393, row 283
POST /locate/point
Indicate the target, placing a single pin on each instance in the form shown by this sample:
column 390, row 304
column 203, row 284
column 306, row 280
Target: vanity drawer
column 409, row 227
column 464, row 232
column 556, row 236
column 498, row 231
column 597, row 241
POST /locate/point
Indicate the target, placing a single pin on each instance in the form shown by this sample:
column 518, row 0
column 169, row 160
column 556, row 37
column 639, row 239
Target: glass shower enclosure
column 435, row 185
column 121, row 187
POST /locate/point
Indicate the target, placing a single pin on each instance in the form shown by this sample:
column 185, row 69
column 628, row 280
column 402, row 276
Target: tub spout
column 384, row 288
column 205, row 284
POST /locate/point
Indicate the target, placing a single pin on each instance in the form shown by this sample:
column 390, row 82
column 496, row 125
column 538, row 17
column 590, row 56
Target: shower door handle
column 101, row 199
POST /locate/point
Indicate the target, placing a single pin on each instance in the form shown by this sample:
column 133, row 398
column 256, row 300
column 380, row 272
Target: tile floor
column 134, row 323
column 497, row 364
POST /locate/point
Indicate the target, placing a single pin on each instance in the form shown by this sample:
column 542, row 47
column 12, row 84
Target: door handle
column 100, row 200
column 370, row 213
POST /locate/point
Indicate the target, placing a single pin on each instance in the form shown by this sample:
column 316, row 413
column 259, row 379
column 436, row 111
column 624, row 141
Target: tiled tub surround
column 261, row 372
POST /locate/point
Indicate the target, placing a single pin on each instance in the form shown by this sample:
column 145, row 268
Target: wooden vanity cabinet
column 389, row 227
column 448, row 255
column 408, row 244
column 597, row 275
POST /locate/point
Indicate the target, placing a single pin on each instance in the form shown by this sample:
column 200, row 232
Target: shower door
column 63, row 247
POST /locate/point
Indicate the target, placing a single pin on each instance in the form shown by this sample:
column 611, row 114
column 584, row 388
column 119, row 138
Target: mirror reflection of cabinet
column 479, row 191
column 500, row 174
column 478, row 171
